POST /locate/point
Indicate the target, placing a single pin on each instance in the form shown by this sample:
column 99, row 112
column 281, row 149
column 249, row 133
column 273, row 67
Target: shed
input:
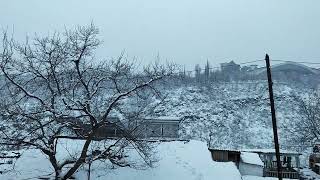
column 250, row 164
column 225, row 155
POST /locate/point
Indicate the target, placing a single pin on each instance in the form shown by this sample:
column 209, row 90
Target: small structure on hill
column 158, row 127
column 250, row 164
column 230, row 67
column 110, row 129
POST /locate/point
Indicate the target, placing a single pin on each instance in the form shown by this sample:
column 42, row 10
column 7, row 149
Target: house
column 250, row 164
column 247, row 163
column 230, row 71
column 230, row 67
column 290, row 162
column 260, row 162
column 158, row 127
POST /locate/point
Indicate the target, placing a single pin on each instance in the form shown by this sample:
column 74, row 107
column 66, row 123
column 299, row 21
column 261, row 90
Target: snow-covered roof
column 251, row 158
column 224, row 149
column 164, row 119
column 271, row 151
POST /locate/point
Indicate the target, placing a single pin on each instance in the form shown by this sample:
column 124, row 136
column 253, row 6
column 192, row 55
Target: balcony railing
column 285, row 174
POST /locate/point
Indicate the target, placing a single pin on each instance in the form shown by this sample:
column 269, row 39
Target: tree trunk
column 81, row 159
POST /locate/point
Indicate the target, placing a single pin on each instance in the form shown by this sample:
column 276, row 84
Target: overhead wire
column 300, row 62
column 181, row 70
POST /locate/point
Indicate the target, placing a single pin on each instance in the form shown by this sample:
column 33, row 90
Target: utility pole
column 274, row 121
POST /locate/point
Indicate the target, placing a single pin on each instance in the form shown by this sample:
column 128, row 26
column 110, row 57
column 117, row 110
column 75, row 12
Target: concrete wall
column 250, row 169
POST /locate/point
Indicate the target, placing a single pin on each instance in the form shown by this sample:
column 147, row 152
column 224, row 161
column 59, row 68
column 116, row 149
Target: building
column 230, row 71
column 230, row 67
column 110, row 129
column 158, row 127
column 260, row 162
column 151, row 127
column 290, row 162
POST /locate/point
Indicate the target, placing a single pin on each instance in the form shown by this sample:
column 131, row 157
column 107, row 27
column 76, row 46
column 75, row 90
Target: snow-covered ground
column 237, row 116
column 176, row 160
column 259, row 178
column 187, row 160
column 309, row 174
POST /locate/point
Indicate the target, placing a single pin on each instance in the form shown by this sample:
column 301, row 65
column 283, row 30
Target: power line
column 301, row 62
column 248, row 62
column 242, row 63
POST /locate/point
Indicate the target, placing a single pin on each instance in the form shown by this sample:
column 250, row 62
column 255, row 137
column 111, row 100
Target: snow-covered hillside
column 234, row 115
column 231, row 115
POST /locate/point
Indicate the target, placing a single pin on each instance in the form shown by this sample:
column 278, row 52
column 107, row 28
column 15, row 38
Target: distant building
column 158, row 127
column 230, row 71
column 230, row 67
column 110, row 129
column 249, row 68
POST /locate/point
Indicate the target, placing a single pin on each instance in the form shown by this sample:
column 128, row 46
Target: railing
column 273, row 164
column 285, row 174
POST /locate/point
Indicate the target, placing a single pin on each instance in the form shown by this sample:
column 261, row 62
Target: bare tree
column 54, row 89
column 307, row 128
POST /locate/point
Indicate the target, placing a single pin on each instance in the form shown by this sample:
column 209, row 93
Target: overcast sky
column 183, row 31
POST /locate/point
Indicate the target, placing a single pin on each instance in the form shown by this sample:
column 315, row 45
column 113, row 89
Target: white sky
column 183, row 31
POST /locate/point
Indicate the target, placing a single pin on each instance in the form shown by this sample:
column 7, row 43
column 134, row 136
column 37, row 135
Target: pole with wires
column 274, row 121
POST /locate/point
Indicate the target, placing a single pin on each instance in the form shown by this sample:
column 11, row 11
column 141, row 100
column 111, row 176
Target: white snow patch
column 178, row 160
column 251, row 158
